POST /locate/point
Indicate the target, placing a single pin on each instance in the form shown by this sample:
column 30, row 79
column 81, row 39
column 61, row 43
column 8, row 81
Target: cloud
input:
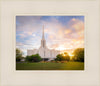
column 53, row 46
column 28, row 24
column 71, row 36
column 22, row 35
column 68, row 33
column 19, row 44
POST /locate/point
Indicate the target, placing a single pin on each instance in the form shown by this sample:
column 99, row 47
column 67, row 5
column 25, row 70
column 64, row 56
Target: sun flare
column 70, row 54
column 61, row 47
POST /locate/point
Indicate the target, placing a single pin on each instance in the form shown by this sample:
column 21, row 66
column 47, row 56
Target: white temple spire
column 43, row 33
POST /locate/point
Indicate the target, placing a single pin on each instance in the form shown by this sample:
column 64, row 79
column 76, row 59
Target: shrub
column 34, row 58
column 52, row 61
column 63, row 61
column 58, row 62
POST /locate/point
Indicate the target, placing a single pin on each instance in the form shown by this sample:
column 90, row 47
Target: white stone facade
column 43, row 51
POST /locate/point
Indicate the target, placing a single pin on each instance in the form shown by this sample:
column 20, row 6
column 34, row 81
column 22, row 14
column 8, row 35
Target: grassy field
column 50, row 66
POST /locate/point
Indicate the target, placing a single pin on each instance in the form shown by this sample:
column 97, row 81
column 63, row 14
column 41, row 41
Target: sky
column 61, row 32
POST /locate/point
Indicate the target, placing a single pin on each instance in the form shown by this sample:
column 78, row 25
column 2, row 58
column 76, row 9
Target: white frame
column 9, row 76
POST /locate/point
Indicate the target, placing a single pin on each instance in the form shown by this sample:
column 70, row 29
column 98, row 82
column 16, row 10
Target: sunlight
column 64, row 54
column 61, row 47
column 70, row 54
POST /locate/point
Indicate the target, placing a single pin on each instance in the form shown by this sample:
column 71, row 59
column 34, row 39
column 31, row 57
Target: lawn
column 50, row 66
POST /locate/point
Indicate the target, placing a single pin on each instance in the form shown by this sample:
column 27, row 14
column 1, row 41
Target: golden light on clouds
column 61, row 47
column 67, row 31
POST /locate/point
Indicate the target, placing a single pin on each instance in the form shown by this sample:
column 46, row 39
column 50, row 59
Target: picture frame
column 8, row 74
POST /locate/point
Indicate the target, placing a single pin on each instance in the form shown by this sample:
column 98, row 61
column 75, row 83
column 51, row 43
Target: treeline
column 78, row 55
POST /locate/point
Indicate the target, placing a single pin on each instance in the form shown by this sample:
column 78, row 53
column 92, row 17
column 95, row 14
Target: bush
column 78, row 55
column 58, row 62
column 63, row 61
column 52, row 61
column 33, row 58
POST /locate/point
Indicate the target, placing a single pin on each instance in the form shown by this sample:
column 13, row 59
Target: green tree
column 19, row 54
column 78, row 54
column 28, row 58
column 34, row 58
column 59, row 56
column 63, row 57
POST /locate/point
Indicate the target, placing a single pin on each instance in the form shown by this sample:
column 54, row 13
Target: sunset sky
column 61, row 32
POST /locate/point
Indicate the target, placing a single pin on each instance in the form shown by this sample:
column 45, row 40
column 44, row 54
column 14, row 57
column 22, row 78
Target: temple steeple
column 43, row 41
column 43, row 33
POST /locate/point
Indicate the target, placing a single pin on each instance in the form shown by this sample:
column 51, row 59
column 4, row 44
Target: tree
column 34, row 58
column 19, row 56
column 78, row 54
column 66, row 56
column 59, row 56
column 63, row 57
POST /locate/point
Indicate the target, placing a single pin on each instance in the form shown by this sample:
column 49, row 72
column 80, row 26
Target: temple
column 43, row 51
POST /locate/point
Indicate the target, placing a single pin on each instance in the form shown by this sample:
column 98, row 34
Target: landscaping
column 62, row 61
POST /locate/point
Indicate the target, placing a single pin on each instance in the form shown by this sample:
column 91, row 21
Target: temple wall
column 44, row 52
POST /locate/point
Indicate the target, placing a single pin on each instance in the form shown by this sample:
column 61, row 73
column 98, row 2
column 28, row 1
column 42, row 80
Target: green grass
column 50, row 66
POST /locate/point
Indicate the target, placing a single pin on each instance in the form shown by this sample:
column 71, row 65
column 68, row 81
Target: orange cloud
column 68, row 31
column 70, row 37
